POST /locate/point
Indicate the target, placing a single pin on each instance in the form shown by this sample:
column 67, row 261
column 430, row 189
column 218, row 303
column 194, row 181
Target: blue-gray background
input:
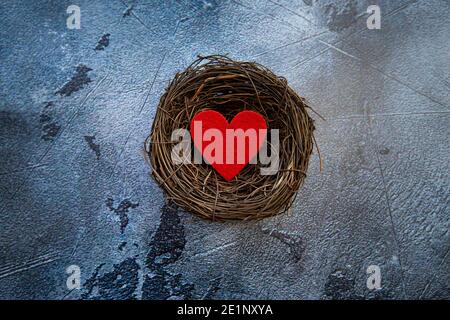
column 76, row 106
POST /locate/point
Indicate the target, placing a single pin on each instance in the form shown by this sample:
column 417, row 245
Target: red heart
column 226, row 164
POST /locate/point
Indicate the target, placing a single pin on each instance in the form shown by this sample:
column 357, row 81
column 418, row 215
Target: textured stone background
column 76, row 106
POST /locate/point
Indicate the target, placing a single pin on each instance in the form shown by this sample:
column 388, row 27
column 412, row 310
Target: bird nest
column 228, row 86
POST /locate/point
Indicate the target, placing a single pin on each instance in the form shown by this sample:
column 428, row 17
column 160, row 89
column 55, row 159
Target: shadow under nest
column 227, row 86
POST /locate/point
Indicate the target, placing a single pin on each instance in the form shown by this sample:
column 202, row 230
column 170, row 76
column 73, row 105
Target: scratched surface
column 76, row 106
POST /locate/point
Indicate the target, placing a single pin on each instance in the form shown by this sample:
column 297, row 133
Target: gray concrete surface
column 76, row 106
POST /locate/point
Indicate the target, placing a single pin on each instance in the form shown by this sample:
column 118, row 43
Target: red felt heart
column 235, row 152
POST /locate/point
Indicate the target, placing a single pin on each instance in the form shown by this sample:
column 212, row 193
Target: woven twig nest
column 227, row 86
